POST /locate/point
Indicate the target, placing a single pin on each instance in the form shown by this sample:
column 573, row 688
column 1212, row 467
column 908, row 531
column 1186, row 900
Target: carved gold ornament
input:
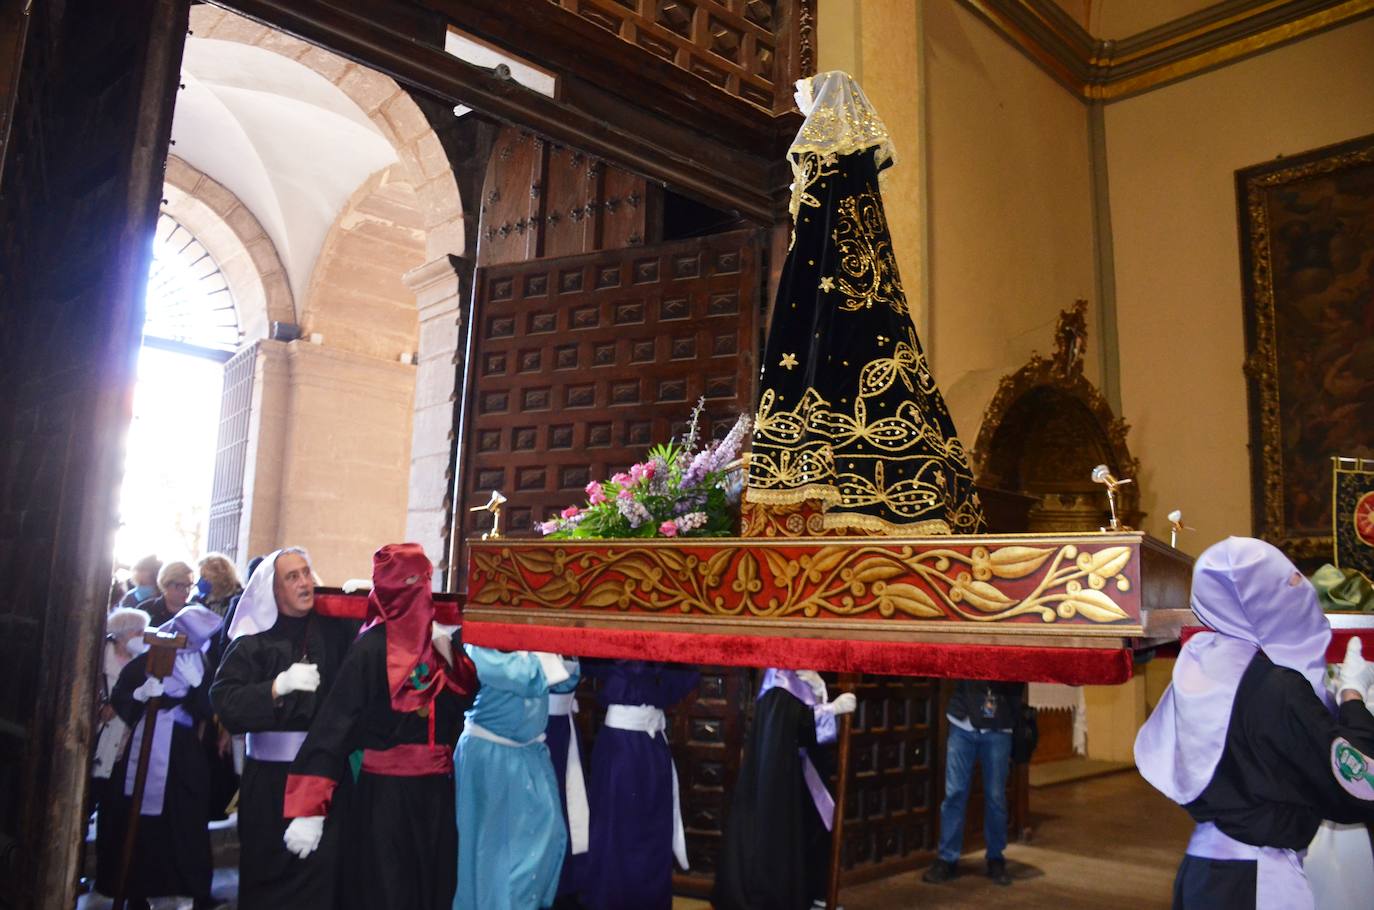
column 1060, row 583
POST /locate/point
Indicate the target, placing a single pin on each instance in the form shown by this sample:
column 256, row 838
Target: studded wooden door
column 578, row 365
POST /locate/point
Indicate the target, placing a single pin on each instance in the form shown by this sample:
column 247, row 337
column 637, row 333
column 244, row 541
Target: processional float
column 856, row 478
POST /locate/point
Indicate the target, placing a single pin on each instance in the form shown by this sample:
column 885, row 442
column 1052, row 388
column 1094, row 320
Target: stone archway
column 235, row 239
column 424, row 163
column 1046, row 428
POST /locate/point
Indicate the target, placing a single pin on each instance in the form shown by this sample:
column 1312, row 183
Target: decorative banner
column 1352, row 518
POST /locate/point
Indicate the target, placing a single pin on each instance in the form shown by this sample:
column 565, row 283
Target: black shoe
column 997, row 871
column 940, row 871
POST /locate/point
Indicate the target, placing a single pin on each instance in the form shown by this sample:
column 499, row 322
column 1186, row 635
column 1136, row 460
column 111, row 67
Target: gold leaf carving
column 1105, row 563
column 1092, row 605
column 981, row 595
column 907, row 599
column 1018, row 562
column 899, row 581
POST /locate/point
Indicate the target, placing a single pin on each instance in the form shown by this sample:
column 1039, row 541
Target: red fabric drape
column 1335, row 652
column 1072, row 666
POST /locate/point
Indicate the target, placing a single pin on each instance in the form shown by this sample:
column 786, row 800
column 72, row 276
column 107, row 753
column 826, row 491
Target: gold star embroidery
column 827, row 283
column 788, row 361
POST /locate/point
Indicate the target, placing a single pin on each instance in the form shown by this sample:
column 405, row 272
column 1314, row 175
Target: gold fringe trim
column 817, row 491
column 861, row 522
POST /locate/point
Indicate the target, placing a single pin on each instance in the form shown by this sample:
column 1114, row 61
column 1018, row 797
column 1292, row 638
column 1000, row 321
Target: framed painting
column 1307, row 258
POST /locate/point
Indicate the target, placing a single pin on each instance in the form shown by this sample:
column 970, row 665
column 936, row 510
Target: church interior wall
column 1011, row 220
column 990, row 204
column 1172, row 155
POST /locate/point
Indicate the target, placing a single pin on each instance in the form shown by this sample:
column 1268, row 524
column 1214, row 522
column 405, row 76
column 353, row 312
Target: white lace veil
column 839, row 119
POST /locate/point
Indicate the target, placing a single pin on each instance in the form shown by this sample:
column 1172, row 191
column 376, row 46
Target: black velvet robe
column 269, row 876
column 172, row 856
column 849, row 414
column 399, row 841
column 1275, row 782
column 775, row 854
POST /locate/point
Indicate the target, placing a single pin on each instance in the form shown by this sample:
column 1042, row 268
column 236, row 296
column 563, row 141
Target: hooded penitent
column 1254, row 599
column 257, row 607
column 402, row 599
column 1241, row 741
column 198, row 625
column 849, row 417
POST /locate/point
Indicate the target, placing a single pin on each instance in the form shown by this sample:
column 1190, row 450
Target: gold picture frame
column 1307, row 258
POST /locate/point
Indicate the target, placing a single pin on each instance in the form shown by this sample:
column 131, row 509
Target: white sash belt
column 1280, row 883
column 482, row 732
column 651, row 720
column 564, row 704
column 274, row 745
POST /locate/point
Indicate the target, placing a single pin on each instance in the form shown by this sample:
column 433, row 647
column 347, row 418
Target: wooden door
column 83, row 178
column 576, row 366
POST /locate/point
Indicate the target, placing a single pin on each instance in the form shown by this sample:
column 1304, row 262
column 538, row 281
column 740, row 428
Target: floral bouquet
column 678, row 491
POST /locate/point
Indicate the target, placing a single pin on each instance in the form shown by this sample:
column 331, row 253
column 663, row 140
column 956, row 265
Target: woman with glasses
column 174, row 583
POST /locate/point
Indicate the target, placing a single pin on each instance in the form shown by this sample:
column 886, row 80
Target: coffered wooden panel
column 577, row 365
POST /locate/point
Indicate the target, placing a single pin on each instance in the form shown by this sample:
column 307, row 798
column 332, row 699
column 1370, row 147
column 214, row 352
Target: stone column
column 442, row 288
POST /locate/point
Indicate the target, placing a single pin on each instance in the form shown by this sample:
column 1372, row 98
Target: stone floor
column 1107, row 842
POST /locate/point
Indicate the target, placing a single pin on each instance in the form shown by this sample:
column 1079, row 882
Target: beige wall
column 990, row 204
column 1011, row 227
column 332, row 441
column 1172, row 157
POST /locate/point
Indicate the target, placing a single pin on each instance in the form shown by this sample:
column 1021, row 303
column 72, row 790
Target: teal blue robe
column 511, row 833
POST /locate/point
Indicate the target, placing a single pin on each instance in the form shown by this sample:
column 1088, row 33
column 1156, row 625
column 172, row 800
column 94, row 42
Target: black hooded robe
column 776, row 852
column 399, row 842
column 270, row 877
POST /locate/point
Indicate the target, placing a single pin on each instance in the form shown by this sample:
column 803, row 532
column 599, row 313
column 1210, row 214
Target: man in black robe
column 776, row 854
column 1247, row 739
column 280, row 663
column 399, row 698
column 172, row 853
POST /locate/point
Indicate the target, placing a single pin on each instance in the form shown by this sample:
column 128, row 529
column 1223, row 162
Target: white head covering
column 1253, row 599
column 839, row 119
column 257, row 607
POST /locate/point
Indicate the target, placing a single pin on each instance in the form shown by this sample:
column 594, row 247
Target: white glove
column 297, row 678
column 354, row 585
column 552, row 664
column 151, row 688
column 813, row 679
column 1355, row 673
column 303, row 835
column 845, row 703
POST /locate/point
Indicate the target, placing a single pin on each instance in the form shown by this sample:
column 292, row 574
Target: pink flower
column 570, row 512
column 622, row 479
column 595, row 495
column 625, row 493
column 548, row 527
column 637, row 472
column 668, row 529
